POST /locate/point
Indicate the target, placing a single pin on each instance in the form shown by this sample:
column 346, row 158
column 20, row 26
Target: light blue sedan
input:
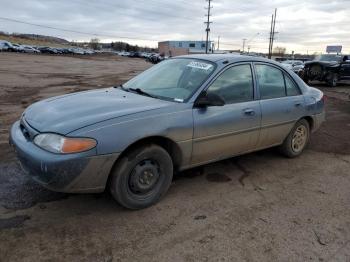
column 184, row 112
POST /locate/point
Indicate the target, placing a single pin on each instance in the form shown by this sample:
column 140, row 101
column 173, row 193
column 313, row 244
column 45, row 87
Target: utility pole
column 208, row 22
column 218, row 43
column 272, row 33
column 244, row 39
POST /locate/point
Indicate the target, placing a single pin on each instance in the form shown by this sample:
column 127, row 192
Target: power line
column 208, row 22
column 116, row 6
column 75, row 31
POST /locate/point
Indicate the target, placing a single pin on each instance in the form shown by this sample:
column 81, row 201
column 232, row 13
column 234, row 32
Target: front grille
column 25, row 132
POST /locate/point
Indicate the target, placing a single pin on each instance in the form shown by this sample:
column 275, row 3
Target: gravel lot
column 257, row 207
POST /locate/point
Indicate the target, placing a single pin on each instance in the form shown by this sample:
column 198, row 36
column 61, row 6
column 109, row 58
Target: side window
column 234, row 85
column 292, row 89
column 271, row 82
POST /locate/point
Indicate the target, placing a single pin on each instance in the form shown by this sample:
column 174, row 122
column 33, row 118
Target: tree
column 94, row 43
column 278, row 50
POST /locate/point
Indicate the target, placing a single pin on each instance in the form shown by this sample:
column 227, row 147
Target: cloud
column 302, row 26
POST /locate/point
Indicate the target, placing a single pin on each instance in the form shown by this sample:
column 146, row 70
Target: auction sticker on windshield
column 200, row 65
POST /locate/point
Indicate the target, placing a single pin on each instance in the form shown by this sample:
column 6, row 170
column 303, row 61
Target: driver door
column 224, row 131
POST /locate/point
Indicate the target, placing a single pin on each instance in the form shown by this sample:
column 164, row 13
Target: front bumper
column 70, row 173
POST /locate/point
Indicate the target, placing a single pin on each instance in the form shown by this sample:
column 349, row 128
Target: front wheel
column 142, row 177
column 297, row 139
column 333, row 80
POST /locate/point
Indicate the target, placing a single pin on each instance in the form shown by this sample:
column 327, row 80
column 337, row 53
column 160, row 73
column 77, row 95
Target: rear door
column 282, row 104
column 223, row 131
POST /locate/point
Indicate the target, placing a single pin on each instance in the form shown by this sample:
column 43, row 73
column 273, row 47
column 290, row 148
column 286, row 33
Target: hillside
column 36, row 40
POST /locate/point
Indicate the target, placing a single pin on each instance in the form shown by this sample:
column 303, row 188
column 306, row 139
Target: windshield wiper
column 122, row 88
column 141, row 92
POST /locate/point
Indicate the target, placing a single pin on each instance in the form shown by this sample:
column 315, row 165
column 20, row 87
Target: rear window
column 271, row 82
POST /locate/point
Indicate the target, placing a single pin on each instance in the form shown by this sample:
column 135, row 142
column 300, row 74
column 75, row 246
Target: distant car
column 47, row 50
column 328, row 68
column 145, row 55
column 134, row 54
column 89, row 52
column 6, row 46
column 295, row 65
column 124, row 53
column 155, row 58
column 30, row 49
column 18, row 48
column 184, row 112
column 78, row 51
column 64, row 50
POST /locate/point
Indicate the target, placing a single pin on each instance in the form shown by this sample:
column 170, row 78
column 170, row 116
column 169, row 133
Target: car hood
column 64, row 114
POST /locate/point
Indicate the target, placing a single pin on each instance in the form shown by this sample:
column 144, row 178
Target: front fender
column 115, row 135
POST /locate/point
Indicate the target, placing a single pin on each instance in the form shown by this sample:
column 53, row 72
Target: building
column 176, row 48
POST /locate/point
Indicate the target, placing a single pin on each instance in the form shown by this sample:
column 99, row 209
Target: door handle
column 297, row 103
column 249, row 112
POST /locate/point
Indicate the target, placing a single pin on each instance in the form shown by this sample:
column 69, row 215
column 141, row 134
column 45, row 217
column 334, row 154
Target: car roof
column 230, row 58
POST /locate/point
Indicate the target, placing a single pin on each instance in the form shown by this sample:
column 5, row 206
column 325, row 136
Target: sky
column 305, row 26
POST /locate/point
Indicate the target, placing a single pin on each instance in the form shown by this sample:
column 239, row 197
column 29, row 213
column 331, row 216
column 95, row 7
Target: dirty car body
column 258, row 114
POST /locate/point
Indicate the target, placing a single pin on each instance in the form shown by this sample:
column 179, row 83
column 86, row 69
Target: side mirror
column 209, row 99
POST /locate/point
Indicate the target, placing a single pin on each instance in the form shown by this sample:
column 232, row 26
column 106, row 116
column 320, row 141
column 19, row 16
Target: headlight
column 63, row 145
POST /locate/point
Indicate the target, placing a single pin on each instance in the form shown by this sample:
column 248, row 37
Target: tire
column 333, row 80
column 142, row 177
column 297, row 139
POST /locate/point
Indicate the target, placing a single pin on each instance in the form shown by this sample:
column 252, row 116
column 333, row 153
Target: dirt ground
column 257, row 207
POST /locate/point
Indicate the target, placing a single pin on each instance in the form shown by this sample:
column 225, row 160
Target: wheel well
column 310, row 121
column 169, row 145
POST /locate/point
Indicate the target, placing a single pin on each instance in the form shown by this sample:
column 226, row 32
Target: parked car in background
column 184, row 112
column 145, row 55
column 135, row 54
column 6, row 46
column 30, row 49
column 47, row 50
column 89, row 51
column 328, row 68
column 124, row 53
column 78, row 51
column 18, row 48
column 155, row 58
column 296, row 66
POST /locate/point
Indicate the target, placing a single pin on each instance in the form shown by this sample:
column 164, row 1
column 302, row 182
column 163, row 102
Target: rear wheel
column 142, row 177
column 297, row 139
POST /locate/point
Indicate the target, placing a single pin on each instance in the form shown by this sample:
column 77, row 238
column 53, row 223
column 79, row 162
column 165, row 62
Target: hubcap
column 144, row 177
column 299, row 139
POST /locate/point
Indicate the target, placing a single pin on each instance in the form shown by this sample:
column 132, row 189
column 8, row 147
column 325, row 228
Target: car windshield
column 173, row 79
column 330, row 58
